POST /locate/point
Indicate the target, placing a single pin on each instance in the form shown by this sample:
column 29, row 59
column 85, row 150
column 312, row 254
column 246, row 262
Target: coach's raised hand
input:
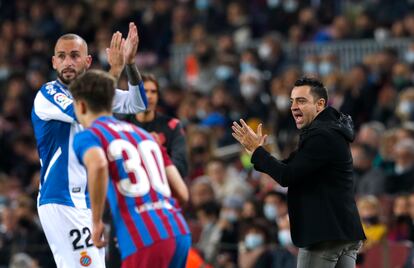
column 115, row 54
column 247, row 137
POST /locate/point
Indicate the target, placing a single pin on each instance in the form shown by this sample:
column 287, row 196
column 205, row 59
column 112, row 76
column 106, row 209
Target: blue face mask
column 273, row 3
column 230, row 216
column 409, row 57
column 310, row 67
column 224, row 72
column 270, row 212
column 202, row 4
column 325, row 68
column 284, row 238
column 246, row 67
column 253, row 241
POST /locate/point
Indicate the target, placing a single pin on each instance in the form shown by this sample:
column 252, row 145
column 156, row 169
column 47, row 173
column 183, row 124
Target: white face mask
column 264, row 51
column 284, row 238
column 229, row 215
column 270, row 212
column 248, row 90
column 310, row 67
column 253, row 241
column 325, row 68
column 409, row 56
column 290, row 6
column 273, row 3
column 282, row 102
column 406, row 108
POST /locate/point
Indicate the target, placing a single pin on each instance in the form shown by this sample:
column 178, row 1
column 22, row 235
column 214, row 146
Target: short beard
column 66, row 81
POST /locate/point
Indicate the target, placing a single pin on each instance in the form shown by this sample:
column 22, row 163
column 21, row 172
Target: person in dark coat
column 324, row 219
column 167, row 130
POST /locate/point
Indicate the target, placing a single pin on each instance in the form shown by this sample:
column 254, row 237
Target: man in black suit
column 324, row 219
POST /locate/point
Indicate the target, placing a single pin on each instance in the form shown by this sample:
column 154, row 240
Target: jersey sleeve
column 52, row 105
column 83, row 141
column 130, row 102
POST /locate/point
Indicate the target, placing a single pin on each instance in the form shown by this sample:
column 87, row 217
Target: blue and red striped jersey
column 139, row 195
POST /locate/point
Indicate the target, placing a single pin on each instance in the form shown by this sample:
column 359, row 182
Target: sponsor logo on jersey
column 62, row 100
column 85, row 260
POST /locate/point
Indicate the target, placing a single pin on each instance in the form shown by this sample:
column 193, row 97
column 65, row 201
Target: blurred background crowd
column 217, row 61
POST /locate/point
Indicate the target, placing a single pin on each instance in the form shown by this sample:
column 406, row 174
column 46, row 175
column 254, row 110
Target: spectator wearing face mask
column 402, row 178
column 401, row 222
column 375, row 230
column 255, row 250
column 274, row 207
column 253, row 95
column 405, row 105
column 207, row 215
column 368, row 179
column 228, row 231
column 271, row 55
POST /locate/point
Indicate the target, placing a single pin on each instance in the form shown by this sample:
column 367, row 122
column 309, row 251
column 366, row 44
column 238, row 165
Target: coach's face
column 304, row 106
column 71, row 59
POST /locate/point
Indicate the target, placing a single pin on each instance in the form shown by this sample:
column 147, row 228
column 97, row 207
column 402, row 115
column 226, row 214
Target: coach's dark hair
column 318, row 90
column 96, row 88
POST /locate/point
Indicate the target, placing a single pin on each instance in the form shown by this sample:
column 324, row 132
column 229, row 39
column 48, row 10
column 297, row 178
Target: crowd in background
column 237, row 68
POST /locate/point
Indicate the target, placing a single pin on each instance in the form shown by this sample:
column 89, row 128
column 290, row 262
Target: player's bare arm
column 176, row 182
column 115, row 54
column 131, row 47
column 97, row 167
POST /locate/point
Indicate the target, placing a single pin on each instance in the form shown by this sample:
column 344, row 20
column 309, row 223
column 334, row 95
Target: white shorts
column 68, row 232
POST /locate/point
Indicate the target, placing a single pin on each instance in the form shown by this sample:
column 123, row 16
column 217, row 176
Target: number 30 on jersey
column 148, row 155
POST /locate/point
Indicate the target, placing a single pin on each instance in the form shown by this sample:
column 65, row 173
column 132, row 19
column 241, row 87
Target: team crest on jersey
column 85, row 260
column 62, row 100
column 50, row 89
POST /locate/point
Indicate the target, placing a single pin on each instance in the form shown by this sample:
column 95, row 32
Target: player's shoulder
column 55, row 93
column 85, row 136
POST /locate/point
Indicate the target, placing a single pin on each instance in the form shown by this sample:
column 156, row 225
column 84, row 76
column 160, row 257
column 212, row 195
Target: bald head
column 73, row 37
column 71, row 57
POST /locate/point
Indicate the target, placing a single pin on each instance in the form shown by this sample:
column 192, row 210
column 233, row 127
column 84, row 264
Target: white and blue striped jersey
column 63, row 179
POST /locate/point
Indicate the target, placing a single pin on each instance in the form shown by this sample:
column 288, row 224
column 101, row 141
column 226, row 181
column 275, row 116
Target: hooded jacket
column 319, row 177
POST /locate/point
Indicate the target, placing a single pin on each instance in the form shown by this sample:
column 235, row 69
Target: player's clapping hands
column 115, row 53
column 131, row 44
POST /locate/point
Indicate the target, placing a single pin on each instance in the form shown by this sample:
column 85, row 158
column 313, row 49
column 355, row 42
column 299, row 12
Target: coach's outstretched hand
column 98, row 237
column 247, row 137
column 131, row 44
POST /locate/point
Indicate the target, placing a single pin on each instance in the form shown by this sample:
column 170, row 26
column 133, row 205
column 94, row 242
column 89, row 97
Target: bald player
column 63, row 200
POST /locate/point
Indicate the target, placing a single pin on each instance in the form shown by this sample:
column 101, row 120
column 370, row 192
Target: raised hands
column 247, row 137
column 131, row 44
column 116, row 54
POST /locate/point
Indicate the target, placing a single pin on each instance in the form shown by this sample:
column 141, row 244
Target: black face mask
column 204, row 58
column 370, row 220
column 198, row 150
column 403, row 219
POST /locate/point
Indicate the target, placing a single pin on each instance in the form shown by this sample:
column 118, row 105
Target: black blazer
column 319, row 175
